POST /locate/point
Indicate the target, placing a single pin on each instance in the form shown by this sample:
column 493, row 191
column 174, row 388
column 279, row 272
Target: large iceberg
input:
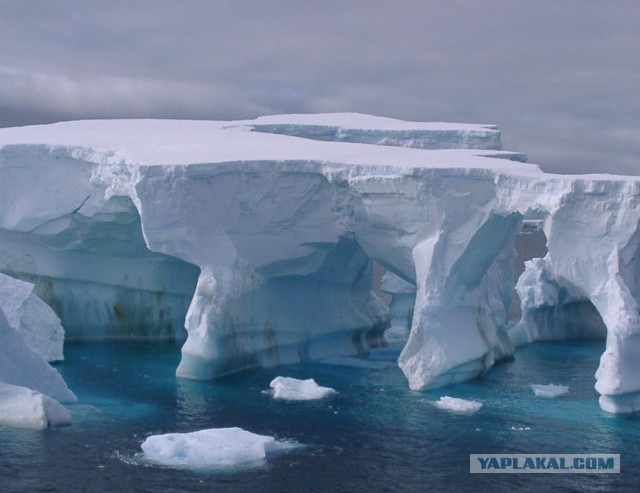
column 261, row 237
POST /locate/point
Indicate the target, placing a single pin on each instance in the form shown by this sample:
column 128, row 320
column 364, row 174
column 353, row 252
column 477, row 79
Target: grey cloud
column 560, row 78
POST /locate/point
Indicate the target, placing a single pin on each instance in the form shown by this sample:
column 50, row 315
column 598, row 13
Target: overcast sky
column 561, row 78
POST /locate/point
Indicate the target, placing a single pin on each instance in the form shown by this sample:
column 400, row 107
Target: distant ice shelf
column 259, row 238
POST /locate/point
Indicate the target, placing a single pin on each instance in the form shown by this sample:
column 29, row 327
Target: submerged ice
column 260, row 237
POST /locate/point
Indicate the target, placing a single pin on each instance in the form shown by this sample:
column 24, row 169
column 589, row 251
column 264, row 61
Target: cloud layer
column 560, row 78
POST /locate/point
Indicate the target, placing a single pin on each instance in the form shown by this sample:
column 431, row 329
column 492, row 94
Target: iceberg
column 292, row 389
column 260, row 237
column 549, row 390
column 21, row 407
column 458, row 406
column 212, row 448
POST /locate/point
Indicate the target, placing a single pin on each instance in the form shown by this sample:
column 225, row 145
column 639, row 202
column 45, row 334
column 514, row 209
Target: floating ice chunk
column 549, row 391
column 293, row 389
column 458, row 406
column 215, row 447
column 21, row 407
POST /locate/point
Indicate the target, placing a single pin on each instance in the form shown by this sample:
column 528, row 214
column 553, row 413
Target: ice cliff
column 259, row 237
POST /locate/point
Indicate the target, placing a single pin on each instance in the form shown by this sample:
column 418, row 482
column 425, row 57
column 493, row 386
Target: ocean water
column 374, row 435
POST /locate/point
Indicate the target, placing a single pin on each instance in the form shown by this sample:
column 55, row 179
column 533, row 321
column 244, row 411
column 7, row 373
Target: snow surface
column 458, row 406
column 21, row 407
column 141, row 218
column 212, row 448
column 292, row 389
column 549, row 391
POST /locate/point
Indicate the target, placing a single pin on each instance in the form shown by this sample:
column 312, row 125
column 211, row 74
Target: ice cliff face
column 267, row 231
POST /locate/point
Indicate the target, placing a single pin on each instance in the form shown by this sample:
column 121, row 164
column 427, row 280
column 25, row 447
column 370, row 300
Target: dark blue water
column 375, row 435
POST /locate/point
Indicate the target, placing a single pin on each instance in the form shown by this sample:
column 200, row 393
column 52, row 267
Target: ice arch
column 459, row 315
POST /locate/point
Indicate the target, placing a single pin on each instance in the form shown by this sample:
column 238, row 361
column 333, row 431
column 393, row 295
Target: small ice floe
column 292, row 389
column 549, row 391
column 520, row 428
column 215, row 447
column 458, row 406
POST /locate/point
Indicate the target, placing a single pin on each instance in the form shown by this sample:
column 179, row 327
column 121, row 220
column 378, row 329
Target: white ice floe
column 292, row 389
column 549, row 391
column 216, row 447
column 458, row 406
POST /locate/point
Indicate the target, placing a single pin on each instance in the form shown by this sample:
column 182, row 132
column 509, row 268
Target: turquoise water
column 375, row 435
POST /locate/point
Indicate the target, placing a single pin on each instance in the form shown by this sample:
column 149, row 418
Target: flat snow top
column 359, row 121
column 182, row 142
